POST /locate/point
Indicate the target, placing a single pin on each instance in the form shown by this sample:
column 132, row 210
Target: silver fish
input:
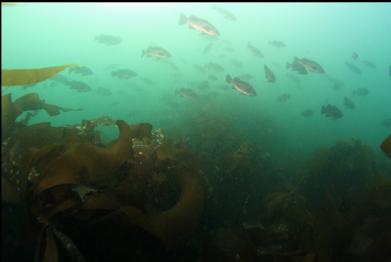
column 241, row 86
column 199, row 24
column 255, row 51
column 227, row 15
column 156, row 52
column 270, row 77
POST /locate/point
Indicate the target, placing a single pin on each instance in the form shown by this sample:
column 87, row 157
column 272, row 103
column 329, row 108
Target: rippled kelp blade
column 13, row 77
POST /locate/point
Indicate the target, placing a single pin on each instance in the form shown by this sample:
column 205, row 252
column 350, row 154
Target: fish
column 311, row 66
column 147, row 81
column 369, row 64
column 386, row 146
column 61, row 79
column 156, row 52
column 255, row 51
column 207, row 48
column 227, row 15
column 241, row 86
column 79, row 86
column 236, row 63
column 200, row 25
column 296, row 66
column 199, row 68
column 386, row 122
column 362, row 91
column 389, row 70
column 269, row 75
column 277, row 43
column 186, row 93
column 337, row 84
column 81, row 70
column 348, row 103
column 214, row 67
column 354, row 55
column 353, row 68
column 331, row 111
column 202, row 85
column 307, row 113
column 108, row 40
column 103, row 91
column 123, row 73
column 283, row 98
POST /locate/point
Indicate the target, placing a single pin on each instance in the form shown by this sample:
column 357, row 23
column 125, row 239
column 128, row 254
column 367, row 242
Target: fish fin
column 182, row 19
column 228, row 78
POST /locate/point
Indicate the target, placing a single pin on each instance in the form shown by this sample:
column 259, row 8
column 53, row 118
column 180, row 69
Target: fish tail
column 182, row 19
column 228, row 78
column 143, row 53
column 288, row 65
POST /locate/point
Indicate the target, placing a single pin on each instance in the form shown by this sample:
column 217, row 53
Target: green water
column 239, row 178
column 43, row 34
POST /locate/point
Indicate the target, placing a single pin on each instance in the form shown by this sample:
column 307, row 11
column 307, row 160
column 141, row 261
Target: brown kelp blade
column 14, row 77
column 54, row 110
column 386, row 146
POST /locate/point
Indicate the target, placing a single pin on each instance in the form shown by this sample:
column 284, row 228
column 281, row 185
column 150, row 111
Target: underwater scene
column 196, row 132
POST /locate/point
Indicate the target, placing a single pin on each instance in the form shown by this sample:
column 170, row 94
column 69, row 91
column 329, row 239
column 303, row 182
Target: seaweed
column 15, row 77
column 11, row 110
column 386, row 146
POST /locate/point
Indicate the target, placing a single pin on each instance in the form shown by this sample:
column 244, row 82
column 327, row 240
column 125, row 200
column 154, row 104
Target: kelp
column 15, row 77
column 386, row 146
column 11, row 110
column 86, row 163
column 173, row 226
column 58, row 159
column 49, row 242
